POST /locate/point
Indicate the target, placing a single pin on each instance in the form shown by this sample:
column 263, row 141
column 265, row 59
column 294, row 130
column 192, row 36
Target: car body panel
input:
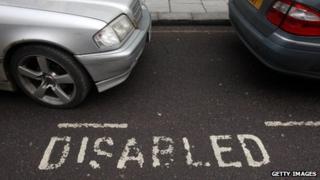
column 279, row 50
column 109, row 69
column 311, row 3
column 97, row 9
column 254, row 16
column 36, row 25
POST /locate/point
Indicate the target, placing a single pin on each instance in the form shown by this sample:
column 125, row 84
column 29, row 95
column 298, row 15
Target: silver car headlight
column 113, row 34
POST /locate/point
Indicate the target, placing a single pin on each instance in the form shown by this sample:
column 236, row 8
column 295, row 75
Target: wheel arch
column 9, row 51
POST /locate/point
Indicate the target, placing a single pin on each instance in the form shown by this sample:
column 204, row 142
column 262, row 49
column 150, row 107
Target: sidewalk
column 195, row 10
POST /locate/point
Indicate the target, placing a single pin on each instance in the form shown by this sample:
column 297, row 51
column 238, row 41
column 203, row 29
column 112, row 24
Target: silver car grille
column 136, row 11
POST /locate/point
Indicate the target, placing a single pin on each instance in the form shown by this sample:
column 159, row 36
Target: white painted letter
column 251, row 161
column 189, row 155
column 83, row 149
column 156, row 150
column 131, row 145
column 219, row 150
column 97, row 149
column 44, row 164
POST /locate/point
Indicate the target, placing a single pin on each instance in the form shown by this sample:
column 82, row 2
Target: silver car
column 55, row 50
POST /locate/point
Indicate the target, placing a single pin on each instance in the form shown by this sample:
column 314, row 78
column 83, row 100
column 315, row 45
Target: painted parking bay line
column 92, row 125
column 292, row 124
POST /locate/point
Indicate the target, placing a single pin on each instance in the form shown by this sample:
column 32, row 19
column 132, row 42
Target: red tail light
column 295, row 18
column 278, row 11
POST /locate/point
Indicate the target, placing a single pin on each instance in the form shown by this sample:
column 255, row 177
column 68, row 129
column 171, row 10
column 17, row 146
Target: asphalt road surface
column 198, row 105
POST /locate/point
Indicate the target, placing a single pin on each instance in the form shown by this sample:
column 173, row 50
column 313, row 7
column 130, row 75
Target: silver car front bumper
column 112, row 68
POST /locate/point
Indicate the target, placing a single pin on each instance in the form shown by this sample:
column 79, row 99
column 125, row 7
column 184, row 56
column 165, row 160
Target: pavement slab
column 194, row 10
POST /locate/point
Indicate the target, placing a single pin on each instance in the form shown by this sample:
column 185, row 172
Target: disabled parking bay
column 198, row 105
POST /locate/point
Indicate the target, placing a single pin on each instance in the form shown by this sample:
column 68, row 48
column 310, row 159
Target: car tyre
column 49, row 76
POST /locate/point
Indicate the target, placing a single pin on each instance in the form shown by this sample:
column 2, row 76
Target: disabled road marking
column 292, row 124
column 92, row 125
column 163, row 152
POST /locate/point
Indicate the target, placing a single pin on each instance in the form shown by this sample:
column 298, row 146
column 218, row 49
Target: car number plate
column 256, row 3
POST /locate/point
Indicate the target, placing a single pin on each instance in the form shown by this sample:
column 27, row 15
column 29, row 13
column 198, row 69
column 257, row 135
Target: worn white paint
column 83, row 149
column 156, row 151
column 189, row 157
column 247, row 152
column 44, row 163
column 130, row 146
column 97, row 148
column 219, row 150
column 292, row 123
column 94, row 165
column 162, row 152
column 92, row 125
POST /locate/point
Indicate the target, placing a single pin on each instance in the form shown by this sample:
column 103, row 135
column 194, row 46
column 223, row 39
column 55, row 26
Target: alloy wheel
column 46, row 80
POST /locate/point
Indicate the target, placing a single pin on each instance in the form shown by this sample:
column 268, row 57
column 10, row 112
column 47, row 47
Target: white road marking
column 247, row 152
column 292, row 123
column 156, row 150
column 97, row 148
column 163, row 152
column 44, row 164
column 92, row 125
column 219, row 150
column 125, row 157
column 83, row 149
column 94, row 164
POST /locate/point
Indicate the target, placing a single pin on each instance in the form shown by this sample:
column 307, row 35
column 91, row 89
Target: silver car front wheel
column 49, row 76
